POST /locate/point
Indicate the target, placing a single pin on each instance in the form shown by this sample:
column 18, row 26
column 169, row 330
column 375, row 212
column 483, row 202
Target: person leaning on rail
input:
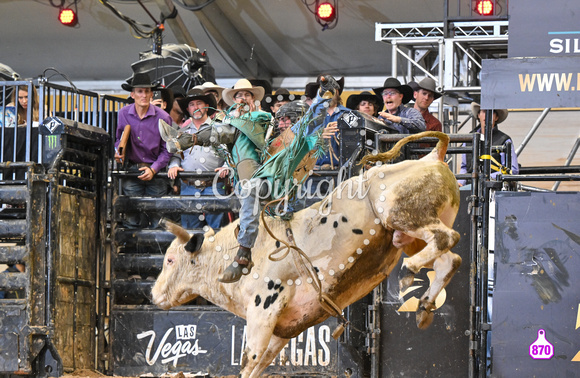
column 146, row 152
column 395, row 95
column 498, row 138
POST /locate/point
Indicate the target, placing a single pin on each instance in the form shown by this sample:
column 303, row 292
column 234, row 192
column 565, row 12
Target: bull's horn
column 180, row 232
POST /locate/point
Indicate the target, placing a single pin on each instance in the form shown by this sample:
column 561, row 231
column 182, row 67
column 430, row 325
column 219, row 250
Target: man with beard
column 404, row 120
column 199, row 107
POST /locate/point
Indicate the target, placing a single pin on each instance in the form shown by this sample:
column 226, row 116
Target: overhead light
column 68, row 17
column 484, row 7
column 326, row 12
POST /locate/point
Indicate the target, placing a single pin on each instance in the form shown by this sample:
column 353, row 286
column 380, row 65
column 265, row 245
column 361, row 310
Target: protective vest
column 498, row 138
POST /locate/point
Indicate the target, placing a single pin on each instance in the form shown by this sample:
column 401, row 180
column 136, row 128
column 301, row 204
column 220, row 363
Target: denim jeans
column 133, row 187
column 250, row 192
column 214, row 220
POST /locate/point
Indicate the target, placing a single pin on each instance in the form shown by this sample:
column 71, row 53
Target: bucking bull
column 340, row 249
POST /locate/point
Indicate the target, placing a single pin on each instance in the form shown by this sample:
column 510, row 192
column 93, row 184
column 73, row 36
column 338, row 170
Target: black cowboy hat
column 281, row 94
column 427, row 84
column 392, row 82
column 198, row 94
column 140, row 80
column 354, row 100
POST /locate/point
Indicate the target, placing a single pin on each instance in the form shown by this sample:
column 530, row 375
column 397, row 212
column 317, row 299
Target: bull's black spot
column 277, row 244
column 335, row 224
column 254, row 357
column 270, row 285
column 323, row 220
column 276, row 286
column 357, row 231
column 192, row 262
column 257, row 300
column 344, row 219
column 316, row 269
column 269, row 300
column 281, row 288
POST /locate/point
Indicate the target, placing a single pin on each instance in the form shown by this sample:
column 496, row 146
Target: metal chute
column 179, row 66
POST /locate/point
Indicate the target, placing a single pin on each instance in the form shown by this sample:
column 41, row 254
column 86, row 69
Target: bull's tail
column 439, row 151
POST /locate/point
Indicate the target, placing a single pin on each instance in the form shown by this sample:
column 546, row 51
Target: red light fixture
column 484, row 7
column 68, row 17
column 326, row 12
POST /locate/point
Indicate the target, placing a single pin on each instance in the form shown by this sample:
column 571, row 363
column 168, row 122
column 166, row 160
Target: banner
column 544, row 28
column 524, row 83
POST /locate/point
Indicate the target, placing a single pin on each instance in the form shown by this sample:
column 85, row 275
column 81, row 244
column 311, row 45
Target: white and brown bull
column 352, row 242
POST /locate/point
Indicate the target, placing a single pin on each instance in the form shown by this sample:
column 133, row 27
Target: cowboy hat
column 198, row 94
column 209, row 86
column 427, row 84
column 281, row 94
column 354, row 100
column 501, row 113
column 392, row 82
column 312, row 88
column 242, row 85
column 139, row 80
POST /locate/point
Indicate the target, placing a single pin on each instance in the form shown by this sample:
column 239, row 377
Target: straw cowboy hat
column 392, row 82
column 209, row 86
column 427, row 84
column 242, row 85
column 139, row 80
column 501, row 113
column 354, row 100
column 198, row 94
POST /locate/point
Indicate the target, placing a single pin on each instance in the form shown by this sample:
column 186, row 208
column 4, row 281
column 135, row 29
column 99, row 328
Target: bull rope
column 325, row 302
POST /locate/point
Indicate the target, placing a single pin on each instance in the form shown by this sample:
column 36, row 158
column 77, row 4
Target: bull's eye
column 169, row 261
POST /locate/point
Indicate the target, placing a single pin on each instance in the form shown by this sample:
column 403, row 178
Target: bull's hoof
column 424, row 318
column 406, row 278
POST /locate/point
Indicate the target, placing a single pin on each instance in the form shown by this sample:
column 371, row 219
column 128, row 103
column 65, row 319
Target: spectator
column 216, row 91
column 498, row 138
column 365, row 102
column 309, row 93
column 22, row 104
column 146, row 151
column 289, row 114
column 163, row 98
column 404, row 120
column 199, row 107
column 425, row 93
column 176, row 113
column 273, row 102
column 335, row 109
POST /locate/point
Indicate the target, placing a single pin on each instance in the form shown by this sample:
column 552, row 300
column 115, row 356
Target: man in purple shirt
column 145, row 151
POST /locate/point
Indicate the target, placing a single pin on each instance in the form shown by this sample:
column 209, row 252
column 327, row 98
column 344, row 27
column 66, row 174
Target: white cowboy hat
column 242, row 85
column 209, row 86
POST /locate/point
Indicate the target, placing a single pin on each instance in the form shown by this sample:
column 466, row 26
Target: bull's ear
column 194, row 243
